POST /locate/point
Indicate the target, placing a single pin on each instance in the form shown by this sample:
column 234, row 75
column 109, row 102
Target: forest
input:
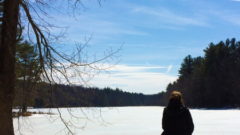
column 61, row 95
column 211, row 80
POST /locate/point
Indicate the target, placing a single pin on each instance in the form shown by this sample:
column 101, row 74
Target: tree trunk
column 7, row 64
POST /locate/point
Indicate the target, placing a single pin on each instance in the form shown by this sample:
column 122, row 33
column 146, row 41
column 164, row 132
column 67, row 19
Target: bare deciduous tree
column 52, row 62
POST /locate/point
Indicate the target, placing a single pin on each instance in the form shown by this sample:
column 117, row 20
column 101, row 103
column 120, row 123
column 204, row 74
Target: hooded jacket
column 177, row 121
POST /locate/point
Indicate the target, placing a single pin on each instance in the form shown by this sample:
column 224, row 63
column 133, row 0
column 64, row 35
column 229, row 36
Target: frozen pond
column 124, row 121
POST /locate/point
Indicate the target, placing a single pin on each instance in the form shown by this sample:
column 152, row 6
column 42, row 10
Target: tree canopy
column 212, row 80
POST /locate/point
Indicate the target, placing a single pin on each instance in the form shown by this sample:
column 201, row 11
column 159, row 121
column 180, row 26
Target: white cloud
column 126, row 68
column 140, row 79
column 135, row 79
column 169, row 68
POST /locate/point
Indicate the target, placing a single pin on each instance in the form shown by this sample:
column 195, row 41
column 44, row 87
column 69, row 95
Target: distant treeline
column 78, row 96
column 211, row 81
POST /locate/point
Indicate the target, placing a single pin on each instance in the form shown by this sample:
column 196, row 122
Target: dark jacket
column 177, row 121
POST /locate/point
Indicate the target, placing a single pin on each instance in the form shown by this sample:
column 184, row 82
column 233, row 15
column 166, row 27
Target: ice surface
column 124, row 121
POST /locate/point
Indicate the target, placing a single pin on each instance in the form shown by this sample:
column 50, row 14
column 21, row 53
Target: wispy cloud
column 234, row 19
column 100, row 27
column 169, row 68
column 170, row 17
column 127, row 68
column 226, row 16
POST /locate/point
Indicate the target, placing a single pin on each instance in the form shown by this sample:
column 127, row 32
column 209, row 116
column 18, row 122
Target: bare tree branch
column 55, row 64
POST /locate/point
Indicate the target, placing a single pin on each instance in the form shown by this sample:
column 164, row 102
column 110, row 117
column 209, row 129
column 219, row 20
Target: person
column 177, row 119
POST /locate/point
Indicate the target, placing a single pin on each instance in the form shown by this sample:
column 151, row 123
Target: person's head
column 175, row 100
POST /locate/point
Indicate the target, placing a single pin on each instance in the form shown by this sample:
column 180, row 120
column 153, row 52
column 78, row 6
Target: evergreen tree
column 212, row 80
column 28, row 72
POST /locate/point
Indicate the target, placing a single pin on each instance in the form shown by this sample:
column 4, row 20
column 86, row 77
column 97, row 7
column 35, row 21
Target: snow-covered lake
column 124, row 121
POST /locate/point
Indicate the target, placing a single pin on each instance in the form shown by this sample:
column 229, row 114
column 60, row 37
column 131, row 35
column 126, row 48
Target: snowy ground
column 124, row 121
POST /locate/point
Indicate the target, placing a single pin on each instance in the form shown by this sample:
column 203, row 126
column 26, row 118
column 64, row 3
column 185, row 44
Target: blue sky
column 155, row 36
